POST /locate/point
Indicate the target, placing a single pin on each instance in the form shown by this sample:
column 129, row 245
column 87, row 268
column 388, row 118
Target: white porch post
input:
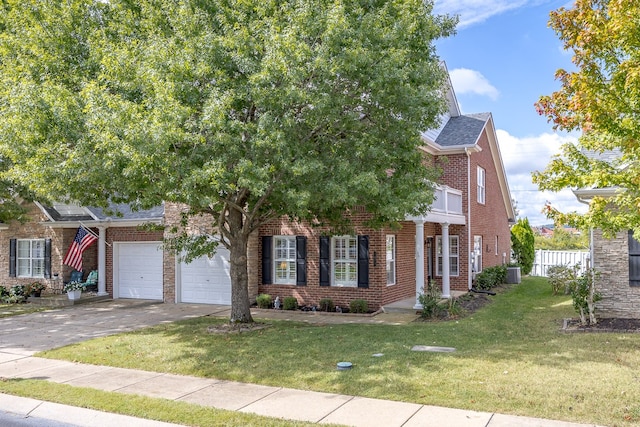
column 419, row 262
column 445, row 261
column 102, row 261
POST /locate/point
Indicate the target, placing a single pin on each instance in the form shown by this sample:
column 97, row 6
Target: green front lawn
column 8, row 310
column 511, row 358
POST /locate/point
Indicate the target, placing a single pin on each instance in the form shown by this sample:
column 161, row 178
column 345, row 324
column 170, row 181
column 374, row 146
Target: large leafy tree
column 242, row 110
column 601, row 98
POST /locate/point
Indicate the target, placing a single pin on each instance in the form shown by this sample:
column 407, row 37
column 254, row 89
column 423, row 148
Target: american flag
column 82, row 241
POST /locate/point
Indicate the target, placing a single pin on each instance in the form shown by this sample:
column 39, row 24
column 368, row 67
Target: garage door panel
column 206, row 280
column 140, row 272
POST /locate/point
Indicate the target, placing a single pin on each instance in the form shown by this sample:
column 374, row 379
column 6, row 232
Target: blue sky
column 502, row 59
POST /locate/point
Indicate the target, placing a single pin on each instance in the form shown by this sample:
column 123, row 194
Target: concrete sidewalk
column 22, row 336
column 300, row 405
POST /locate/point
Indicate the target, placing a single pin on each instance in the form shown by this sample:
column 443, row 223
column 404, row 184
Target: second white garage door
column 138, row 273
column 206, row 280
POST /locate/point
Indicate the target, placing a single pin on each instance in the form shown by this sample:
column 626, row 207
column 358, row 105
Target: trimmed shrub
column 264, row 301
column 326, row 304
column 491, row 276
column 290, row 303
column 358, row 306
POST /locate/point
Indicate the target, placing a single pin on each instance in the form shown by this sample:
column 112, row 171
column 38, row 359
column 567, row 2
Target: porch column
column 445, row 260
column 419, row 262
column 102, row 261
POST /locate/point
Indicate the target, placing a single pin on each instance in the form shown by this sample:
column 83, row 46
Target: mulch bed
column 603, row 325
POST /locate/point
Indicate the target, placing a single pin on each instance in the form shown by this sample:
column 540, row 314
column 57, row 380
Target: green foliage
column 522, row 245
column 14, row 295
column 585, row 297
column 490, row 277
column 599, row 98
column 264, row 301
column 358, row 306
column 562, row 278
column 562, row 240
column 433, row 305
column 290, row 303
column 326, row 304
column 430, row 301
column 244, row 111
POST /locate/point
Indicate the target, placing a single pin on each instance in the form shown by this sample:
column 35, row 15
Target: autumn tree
column 242, row 110
column 601, row 98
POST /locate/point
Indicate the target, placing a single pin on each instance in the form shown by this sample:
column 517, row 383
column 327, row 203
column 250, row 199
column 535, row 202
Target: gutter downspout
column 581, row 200
column 470, row 273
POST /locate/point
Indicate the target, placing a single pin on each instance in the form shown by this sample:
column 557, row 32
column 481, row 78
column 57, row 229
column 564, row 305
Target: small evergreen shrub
column 358, row 306
column 290, row 303
column 326, row 304
column 264, row 301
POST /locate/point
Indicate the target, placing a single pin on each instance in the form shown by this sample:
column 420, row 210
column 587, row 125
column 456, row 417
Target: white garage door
column 206, row 280
column 139, row 270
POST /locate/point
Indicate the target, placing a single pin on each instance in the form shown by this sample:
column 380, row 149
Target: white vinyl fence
column 545, row 259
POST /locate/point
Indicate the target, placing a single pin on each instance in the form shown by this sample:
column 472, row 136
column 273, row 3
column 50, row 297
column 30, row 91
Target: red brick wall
column 491, row 219
column 377, row 294
column 60, row 241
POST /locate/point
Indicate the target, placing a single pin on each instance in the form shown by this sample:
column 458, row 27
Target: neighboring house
column 617, row 259
column 466, row 230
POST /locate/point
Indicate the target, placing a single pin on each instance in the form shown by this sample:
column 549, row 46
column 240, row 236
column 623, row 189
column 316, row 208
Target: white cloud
column 522, row 156
column 475, row 11
column 466, row 81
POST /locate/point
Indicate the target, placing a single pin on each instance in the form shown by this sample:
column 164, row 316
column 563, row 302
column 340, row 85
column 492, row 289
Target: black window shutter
column 634, row 260
column 267, row 260
column 47, row 259
column 301, row 260
column 12, row 258
column 363, row 261
column 324, row 260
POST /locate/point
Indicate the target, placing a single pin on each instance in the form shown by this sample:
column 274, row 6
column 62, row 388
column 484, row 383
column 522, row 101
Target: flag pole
column 88, row 230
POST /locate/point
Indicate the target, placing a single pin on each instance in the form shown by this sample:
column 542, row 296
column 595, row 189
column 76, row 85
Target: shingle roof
column 124, row 211
column 117, row 212
column 462, row 130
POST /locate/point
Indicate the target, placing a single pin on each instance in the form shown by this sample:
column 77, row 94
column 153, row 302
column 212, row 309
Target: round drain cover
column 344, row 366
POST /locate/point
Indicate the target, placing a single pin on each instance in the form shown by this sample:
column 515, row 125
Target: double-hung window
column 391, row 260
column 30, row 257
column 481, row 185
column 284, row 259
column 454, row 250
column 344, row 257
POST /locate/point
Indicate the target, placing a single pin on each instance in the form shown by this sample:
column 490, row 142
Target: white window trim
column 390, row 262
column 30, row 258
column 455, row 256
column 335, row 261
column 287, row 259
column 481, row 185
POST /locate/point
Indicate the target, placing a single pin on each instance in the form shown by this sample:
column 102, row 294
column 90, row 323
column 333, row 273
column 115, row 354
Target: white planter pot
column 74, row 295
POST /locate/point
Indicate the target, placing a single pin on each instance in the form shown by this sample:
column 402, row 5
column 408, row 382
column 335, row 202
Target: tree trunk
column 240, row 307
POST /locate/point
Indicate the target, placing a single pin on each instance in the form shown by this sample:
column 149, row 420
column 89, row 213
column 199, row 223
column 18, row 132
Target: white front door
column 137, row 271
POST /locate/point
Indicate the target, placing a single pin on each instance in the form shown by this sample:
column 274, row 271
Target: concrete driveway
column 29, row 333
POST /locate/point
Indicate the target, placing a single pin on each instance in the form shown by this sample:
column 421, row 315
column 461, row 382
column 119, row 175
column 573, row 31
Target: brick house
column 466, row 230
